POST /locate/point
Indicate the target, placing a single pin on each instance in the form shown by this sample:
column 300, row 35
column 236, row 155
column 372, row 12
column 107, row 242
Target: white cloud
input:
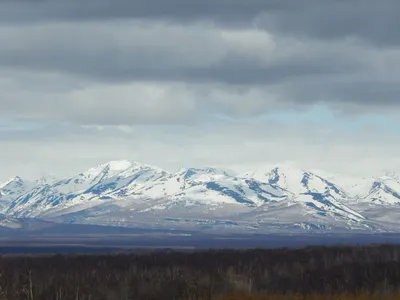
column 234, row 145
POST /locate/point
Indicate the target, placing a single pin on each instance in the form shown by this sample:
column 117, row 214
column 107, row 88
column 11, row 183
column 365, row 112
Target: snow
column 11, row 190
column 4, row 184
column 132, row 193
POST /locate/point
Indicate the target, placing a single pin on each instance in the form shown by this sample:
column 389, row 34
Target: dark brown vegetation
column 311, row 273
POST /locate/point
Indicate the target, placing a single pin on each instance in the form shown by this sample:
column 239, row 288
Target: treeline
column 310, row 273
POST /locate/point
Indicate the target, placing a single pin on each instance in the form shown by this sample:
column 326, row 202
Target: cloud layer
column 340, row 53
column 68, row 64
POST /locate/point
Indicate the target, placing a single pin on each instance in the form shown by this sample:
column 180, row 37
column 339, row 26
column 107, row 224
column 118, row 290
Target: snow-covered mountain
column 384, row 190
column 12, row 189
column 324, row 197
column 126, row 193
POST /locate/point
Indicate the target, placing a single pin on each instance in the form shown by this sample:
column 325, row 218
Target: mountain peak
column 46, row 179
column 121, row 191
column 15, row 179
column 391, row 175
column 203, row 174
column 118, row 165
column 124, row 165
column 112, row 167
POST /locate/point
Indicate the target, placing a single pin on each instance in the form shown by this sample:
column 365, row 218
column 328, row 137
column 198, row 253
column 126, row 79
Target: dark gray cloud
column 374, row 21
column 138, row 63
column 230, row 11
column 172, row 61
column 132, row 51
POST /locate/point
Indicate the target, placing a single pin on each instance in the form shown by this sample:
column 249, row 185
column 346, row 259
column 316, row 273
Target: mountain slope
column 91, row 185
column 11, row 190
column 384, row 190
column 320, row 195
column 128, row 193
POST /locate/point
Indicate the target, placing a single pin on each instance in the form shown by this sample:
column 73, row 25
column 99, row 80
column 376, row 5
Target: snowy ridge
column 12, row 189
column 126, row 193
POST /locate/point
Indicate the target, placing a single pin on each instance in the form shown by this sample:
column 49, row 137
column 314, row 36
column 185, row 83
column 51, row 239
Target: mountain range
column 279, row 199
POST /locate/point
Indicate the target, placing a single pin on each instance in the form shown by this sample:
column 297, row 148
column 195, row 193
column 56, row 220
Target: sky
column 184, row 83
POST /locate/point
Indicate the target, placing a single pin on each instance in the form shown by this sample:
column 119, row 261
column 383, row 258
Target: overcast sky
column 236, row 84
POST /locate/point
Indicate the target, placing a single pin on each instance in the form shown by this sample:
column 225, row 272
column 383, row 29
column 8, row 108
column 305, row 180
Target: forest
column 368, row 272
